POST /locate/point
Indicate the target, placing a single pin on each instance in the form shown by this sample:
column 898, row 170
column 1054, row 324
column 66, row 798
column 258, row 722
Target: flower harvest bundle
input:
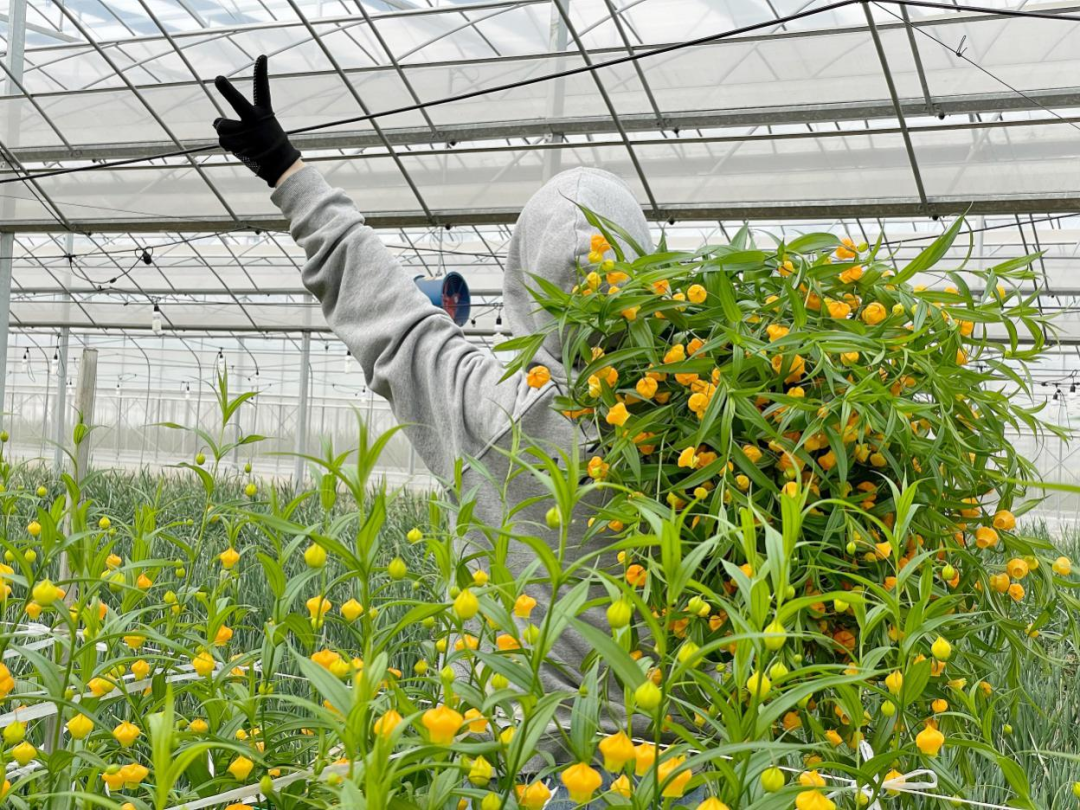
column 814, row 498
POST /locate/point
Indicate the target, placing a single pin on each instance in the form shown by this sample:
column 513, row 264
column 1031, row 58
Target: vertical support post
column 85, row 400
column 302, row 411
column 556, row 100
column 14, row 63
column 60, row 418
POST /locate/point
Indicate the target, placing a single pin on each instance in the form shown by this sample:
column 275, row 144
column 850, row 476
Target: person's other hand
column 257, row 139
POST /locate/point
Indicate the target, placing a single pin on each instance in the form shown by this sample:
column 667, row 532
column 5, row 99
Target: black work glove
column 257, row 138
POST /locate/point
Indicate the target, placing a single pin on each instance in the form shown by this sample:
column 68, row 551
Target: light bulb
column 55, row 362
column 155, row 321
column 187, row 391
column 345, row 364
column 221, row 360
column 26, row 362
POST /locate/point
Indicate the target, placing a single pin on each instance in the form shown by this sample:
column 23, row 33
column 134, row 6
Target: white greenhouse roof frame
column 843, row 116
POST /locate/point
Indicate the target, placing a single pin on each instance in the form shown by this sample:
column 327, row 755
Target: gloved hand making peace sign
column 257, row 138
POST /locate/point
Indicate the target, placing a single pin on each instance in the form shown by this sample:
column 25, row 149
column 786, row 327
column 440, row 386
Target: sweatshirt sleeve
column 444, row 388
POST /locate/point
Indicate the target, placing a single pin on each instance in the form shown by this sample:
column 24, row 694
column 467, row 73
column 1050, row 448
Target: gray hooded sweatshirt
column 445, row 388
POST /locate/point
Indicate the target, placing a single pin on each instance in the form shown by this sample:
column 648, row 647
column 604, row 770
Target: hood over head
column 552, row 236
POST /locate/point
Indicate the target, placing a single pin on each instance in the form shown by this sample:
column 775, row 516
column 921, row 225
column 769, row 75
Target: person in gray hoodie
column 448, row 392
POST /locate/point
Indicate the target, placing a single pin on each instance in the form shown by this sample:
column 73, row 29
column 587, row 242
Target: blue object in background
column 450, row 293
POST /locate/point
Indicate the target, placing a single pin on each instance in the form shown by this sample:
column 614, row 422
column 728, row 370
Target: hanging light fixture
column 155, row 320
column 187, row 391
column 220, row 360
column 54, row 364
column 26, row 362
column 346, row 366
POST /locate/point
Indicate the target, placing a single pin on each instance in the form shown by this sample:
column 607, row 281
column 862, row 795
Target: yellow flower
column 930, row 741
column 617, row 749
column 228, row 558
column 442, row 723
column 676, row 354
column 618, row 415
column 688, row 457
column 838, row 309
column 133, row 774
column 198, row 726
column 630, row 313
column 648, row 695
column 874, row 314
column 712, row 803
column 813, row 800
column 646, row 388
column 126, row 733
column 140, row 669
column 480, row 772
column 672, row 778
column 240, row 768
column 476, row 721
column 100, row 687
column 318, row 606
column 34, row 528
column 644, row 757
column 466, row 605
column 45, row 593
column 23, row 752
column 203, row 663
column 352, row 610
column 79, row 726
column 1004, row 520
column 222, row 636
column 621, row 787
column 795, row 369
column 1017, row 568
column 1062, row 566
column 696, row 294
column 894, row 682
column 775, row 332
column 598, row 468
column 523, row 606
column 581, row 781
column 532, row 797
column 538, row 376
column 941, row 649
column 758, row 685
column 386, row 724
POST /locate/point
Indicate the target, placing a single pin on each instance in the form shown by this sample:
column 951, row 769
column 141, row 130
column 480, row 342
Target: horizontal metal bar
column 982, row 103
column 129, row 328
column 280, row 25
column 134, row 330
column 825, row 209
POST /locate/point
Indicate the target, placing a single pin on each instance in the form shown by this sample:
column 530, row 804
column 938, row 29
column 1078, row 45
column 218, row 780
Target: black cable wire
column 632, row 57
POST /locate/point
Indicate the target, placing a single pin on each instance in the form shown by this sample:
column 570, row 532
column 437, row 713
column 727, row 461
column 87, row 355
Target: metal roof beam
column 804, row 210
column 595, row 125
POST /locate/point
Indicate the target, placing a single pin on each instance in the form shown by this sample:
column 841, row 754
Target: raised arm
column 440, row 384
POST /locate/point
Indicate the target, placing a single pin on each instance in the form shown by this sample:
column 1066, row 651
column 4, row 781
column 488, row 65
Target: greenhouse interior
column 423, row 404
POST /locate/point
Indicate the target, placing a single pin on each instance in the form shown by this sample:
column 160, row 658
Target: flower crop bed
column 806, row 534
